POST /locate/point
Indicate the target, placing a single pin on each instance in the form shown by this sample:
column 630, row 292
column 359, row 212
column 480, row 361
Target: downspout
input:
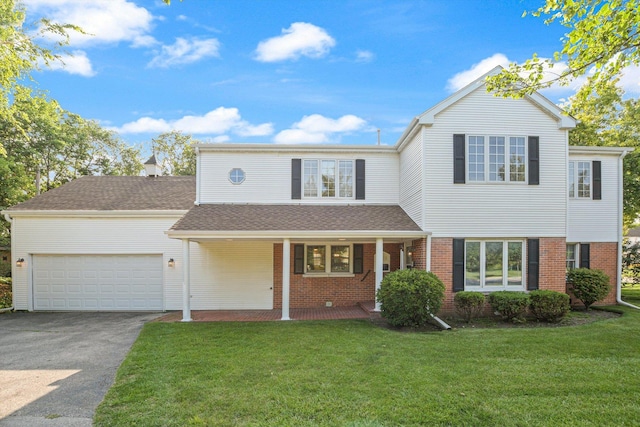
column 620, row 209
column 8, row 218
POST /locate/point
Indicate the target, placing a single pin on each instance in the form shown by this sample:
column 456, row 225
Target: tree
column 175, row 153
column 603, row 38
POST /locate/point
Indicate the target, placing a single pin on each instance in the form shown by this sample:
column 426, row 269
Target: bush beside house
column 468, row 304
column 589, row 286
column 5, row 292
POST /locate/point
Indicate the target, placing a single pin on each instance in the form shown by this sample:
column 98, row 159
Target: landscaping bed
column 5, row 293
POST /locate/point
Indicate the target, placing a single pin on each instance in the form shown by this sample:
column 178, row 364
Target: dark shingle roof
column 103, row 193
column 221, row 217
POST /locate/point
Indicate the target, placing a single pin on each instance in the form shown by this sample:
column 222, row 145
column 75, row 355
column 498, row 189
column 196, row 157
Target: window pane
column 346, row 178
column 584, row 179
column 328, row 178
column 571, row 257
column 316, row 259
column 493, row 264
column 572, row 180
column 515, row 264
column 340, row 259
column 516, row 159
column 311, row 178
column 496, row 158
column 476, row 158
column 472, row 264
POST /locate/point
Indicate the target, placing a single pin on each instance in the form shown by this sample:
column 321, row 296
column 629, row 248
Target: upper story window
column 496, row 158
column 236, row 176
column 328, row 178
column 579, row 180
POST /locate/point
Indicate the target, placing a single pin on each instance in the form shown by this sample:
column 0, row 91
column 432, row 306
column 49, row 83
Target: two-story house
column 481, row 190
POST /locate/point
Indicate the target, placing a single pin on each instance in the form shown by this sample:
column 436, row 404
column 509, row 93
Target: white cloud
column 316, row 129
column 218, row 121
column 630, row 80
column 463, row 78
column 300, row 39
column 364, row 56
column 185, row 51
column 105, row 21
column 76, row 63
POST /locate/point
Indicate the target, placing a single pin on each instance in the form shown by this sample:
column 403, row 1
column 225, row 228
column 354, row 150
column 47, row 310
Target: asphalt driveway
column 55, row 368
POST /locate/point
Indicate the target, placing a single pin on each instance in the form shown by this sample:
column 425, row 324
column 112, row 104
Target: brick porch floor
column 360, row 311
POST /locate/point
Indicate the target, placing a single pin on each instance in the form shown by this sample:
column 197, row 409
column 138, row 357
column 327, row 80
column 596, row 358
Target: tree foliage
column 603, row 37
column 175, row 153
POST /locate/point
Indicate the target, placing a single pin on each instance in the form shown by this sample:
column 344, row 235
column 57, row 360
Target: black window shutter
column 298, row 259
column 533, row 264
column 597, row 180
column 534, row 160
column 585, row 256
column 459, row 159
column 358, row 259
column 458, row 265
column 296, row 179
column 360, row 179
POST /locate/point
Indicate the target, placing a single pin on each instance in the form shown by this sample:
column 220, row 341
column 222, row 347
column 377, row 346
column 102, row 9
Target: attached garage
column 97, row 282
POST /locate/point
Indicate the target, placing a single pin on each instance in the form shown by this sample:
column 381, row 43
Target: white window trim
column 244, row 176
column 327, row 263
column 574, row 178
column 507, row 180
column 337, row 179
column 505, row 267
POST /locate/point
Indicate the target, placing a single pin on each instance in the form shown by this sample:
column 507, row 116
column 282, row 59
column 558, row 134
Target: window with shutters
column 326, row 259
column 494, row 158
column 328, row 178
column 572, row 256
column 579, row 180
column 494, row 265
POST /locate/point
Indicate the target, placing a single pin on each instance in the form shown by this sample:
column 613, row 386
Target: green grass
column 631, row 294
column 352, row 373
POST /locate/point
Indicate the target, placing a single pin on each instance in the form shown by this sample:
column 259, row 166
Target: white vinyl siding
column 411, row 185
column 596, row 220
column 97, row 282
column 487, row 210
column 232, row 275
column 268, row 177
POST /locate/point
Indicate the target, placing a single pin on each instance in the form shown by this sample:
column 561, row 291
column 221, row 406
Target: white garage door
column 97, row 282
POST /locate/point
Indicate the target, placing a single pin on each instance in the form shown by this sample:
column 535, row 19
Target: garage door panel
column 98, row 282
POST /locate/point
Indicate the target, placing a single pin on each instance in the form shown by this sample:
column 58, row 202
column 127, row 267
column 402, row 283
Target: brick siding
column 603, row 256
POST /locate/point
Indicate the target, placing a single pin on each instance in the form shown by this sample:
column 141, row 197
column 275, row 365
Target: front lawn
column 631, row 294
column 352, row 373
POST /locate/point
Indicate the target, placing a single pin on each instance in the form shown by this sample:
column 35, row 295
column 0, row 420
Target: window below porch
column 328, row 259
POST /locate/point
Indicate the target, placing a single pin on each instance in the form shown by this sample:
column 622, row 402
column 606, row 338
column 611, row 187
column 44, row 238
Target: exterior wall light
column 171, row 263
column 20, row 262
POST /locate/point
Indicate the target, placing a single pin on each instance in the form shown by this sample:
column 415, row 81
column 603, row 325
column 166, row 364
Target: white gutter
column 620, row 208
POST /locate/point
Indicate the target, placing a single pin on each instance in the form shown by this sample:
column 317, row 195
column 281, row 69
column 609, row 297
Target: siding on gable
column 411, row 179
column 75, row 235
column 268, row 177
column 494, row 210
column 596, row 220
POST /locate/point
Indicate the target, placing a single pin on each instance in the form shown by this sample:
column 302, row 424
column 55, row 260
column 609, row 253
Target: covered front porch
column 310, row 261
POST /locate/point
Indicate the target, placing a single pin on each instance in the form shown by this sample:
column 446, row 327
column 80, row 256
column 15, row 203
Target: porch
column 363, row 310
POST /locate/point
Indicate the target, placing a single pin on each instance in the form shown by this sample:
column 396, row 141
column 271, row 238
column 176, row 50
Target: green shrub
column 589, row 286
column 410, row 297
column 468, row 304
column 5, row 292
column 510, row 305
column 550, row 306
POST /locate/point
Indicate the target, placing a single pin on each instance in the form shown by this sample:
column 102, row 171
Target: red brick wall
column 442, row 266
column 603, row 256
column 553, row 264
column 307, row 292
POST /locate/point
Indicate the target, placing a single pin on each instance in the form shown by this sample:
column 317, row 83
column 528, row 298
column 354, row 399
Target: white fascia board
column 252, row 235
column 408, row 134
column 564, row 120
column 332, row 148
column 598, row 150
column 94, row 214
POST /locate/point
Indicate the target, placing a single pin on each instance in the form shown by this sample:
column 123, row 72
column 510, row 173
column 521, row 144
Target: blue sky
column 283, row 71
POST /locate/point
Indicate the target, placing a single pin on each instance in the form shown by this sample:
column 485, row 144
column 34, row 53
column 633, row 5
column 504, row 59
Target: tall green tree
column 175, row 153
column 603, row 37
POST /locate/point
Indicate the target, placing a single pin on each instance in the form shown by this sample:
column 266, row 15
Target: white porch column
column 379, row 261
column 186, row 282
column 286, row 268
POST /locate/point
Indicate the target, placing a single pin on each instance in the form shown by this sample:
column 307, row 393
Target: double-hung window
column 328, row 178
column 579, row 180
column 328, row 259
column 494, row 265
column 572, row 256
column 496, row 158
